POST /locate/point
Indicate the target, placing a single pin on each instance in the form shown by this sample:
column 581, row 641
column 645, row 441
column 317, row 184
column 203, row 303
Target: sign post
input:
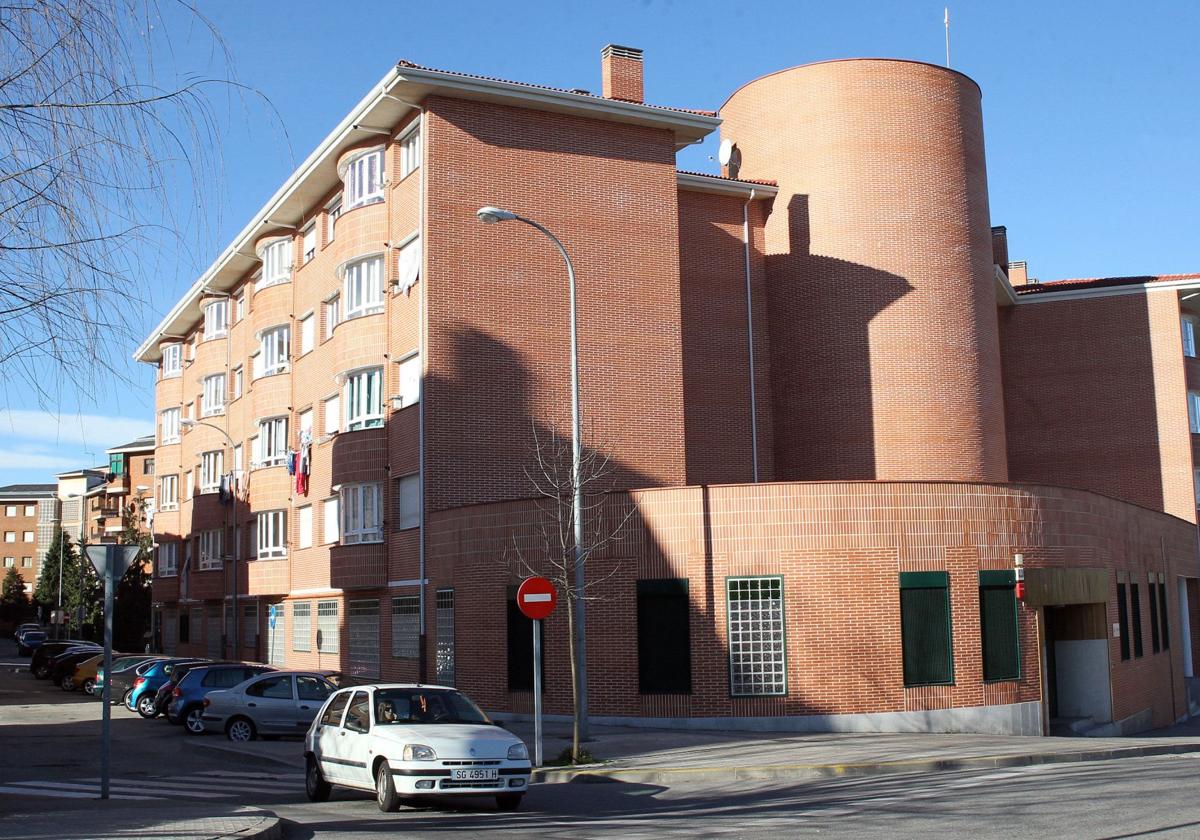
column 110, row 562
column 536, row 599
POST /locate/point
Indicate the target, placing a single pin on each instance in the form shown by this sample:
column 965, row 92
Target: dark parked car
column 29, row 641
column 122, row 681
column 162, row 697
column 63, row 666
column 39, row 665
column 147, row 683
column 187, row 699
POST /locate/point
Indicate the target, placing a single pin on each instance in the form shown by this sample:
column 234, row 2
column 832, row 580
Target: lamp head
column 187, row 422
column 491, row 215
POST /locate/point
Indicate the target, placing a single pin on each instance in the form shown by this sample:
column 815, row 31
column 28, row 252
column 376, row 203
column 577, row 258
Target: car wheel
column 145, row 706
column 127, row 699
column 385, row 789
column 67, row 684
column 41, row 672
column 314, row 782
column 240, row 730
column 192, row 720
column 509, row 801
column 89, row 687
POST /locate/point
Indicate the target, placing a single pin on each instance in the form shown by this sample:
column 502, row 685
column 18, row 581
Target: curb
column 774, row 772
column 268, row 828
column 249, row 757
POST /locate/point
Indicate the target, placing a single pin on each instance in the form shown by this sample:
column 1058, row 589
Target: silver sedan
column 276, row 703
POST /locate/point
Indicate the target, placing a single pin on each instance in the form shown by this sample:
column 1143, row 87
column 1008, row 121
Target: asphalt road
column 49, row 742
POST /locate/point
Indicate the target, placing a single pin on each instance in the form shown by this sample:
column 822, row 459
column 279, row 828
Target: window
column 116, row 466
column 211, row 545
column 31, row 510
column 925, row 628
column 1123, row 619
column 333, row 314
column 172, row 360
column 304, row 524
column 1152, row 590
column 664, row 640
column 410, row 150
column 332, row 212
column 757, row 651
column 998, row 626
column 1162, row 612
column 358, row 716
column 239, row 307
column 212, row 465
column 364, row 287
column 1189, row 336
column 327, row 627
column 168, row 422
column 26, row 562
column 331, row 520
column 276, row 255
column 237, row 461
column 213, row 401
column 310, row 241
column 408, row 501
column 237, row 382
column 362, row 638
column 10, row 562
column 271, row 442
column 332, row 410
column 168, row 492
column 312, row 688
column 364, row 399
column 409, row 265
column 10, row 536
column 520, row 646
column 273, row 351
column 445, row 636
column 1135, row 604
column 10, row 510
column 147, row 467
column 362, row 513
column 307, row 325
column 168, row 559
column 306, row 422
column 363, row 176
column 275, row 688
column 333, row 712
column 189, row 486
column 216, row 319
column 406, row 626
column 410, row 382
column 272, row 534
column 302, row 626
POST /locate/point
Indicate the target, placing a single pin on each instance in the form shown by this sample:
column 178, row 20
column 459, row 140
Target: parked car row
column 29, row 637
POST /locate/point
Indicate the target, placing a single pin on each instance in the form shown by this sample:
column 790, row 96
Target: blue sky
column 1089, row 109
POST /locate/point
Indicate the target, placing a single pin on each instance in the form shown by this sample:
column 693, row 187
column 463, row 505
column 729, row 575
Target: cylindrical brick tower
column 885, row 354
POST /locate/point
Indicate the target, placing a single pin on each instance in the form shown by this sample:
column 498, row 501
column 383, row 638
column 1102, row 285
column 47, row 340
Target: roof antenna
column 947, row 20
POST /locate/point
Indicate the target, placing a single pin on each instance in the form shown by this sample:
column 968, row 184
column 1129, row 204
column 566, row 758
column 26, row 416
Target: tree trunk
column 574, row 674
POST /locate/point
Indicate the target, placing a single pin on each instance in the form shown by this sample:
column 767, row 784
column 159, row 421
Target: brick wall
column 19, row 525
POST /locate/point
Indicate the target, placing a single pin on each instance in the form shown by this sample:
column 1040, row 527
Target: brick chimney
column 621, row 69
column 1000, row 246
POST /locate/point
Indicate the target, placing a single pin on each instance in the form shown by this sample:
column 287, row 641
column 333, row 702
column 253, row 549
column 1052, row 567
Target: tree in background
column 131, row 610
column 14, row 604
column 82, row 591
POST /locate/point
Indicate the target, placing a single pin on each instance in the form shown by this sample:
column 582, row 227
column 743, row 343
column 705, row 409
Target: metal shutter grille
column 998, row 624
column 363, row 638
column 925, row 628
column 212, row 632
column 757, row 640
column 406, row 626
column 664, row 637
column 445, row 636
column 170, row 625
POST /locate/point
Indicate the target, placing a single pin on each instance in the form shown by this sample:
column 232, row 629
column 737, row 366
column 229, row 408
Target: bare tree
column 103, row 171
column 553, row 556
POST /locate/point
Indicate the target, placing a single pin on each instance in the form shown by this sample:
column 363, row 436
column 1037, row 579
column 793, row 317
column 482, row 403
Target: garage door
column 212, row 632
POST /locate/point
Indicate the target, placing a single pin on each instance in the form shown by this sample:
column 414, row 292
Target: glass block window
column 302, row 626
column 445, row 637
column 925, row 628
column 406, row 626
column 327, row 627
column 757, row 643
column 275, row 637
column 249, row 625
column 363, row 638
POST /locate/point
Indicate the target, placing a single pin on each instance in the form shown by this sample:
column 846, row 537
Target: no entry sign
column 536, row 598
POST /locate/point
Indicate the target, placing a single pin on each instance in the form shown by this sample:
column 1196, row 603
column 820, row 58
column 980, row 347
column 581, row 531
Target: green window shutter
column 998, row 627
column 925, row 628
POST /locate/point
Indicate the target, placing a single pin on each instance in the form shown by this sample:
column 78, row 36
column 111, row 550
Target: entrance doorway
column 1075, row 663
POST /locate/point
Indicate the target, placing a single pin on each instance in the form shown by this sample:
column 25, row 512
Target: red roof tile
column 1100, row 283
column 763, row 183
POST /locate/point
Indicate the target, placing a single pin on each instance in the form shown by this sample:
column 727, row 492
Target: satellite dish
column 726, row 152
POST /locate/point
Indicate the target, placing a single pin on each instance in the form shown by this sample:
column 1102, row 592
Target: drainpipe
column 750, row 337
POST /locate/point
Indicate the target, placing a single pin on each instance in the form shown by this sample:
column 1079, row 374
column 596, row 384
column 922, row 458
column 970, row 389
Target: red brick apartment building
column 836, row 411
column 29, row 515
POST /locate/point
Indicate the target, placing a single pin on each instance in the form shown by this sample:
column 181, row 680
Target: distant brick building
column 28, row 521
column 836, row 413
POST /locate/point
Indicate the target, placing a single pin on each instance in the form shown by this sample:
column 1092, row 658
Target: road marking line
column 93, row 793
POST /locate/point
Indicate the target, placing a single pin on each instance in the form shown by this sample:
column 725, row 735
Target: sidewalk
column 92, row 819
column 673, row 756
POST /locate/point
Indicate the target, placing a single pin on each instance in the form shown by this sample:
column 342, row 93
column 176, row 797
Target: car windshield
column 425, row 705
column 34, row 636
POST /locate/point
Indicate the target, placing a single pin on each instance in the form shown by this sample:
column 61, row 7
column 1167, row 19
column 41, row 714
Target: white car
column 405, row 741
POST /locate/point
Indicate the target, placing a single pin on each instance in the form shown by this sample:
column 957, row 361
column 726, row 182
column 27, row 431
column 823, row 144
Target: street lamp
column 188, row 423
column 490, row 216
column 62, row 544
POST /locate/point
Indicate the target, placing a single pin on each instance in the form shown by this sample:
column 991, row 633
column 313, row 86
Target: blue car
column 146, row 685
column 29, row 641
column 187, row 698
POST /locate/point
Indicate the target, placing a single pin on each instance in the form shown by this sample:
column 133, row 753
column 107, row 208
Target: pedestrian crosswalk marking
column 204, row 785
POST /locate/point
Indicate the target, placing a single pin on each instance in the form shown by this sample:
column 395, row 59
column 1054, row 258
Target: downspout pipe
column 750, row 337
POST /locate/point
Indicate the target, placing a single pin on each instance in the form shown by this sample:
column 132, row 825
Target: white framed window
column 408, row 265
column 410, row 149
column 239, row 307
column 31, row 510
column 333, row 314
column 189, row 486
column 364, row 287
column 305, row 421
column 363, row 178
column 364, row 399
column 274, row 346
column 168, row 424
column 757, row 647
column 213, row 401
column 1194, row 411
column 237, row 382
column 332, row 410
column 327, row 627
column 212, row 544
column 167, row 559
column 216, row 319
column 410, row 382
column 27, row 536
column 362, row 513
column 238, row 465
column 276, row 256
column 10, row 536
column 168, row 492
column 309, row 235
column 272, row 534
column 212, row 465
column 304, row 526
column 307, row 334
column 332, row 211
column 172, row 360
column 1188, row 323
column 408, row 501
column 271, row 442
column 329, row 513
column 10, row 510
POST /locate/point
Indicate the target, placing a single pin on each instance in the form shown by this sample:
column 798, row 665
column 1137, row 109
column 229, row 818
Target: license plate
column 475, row 775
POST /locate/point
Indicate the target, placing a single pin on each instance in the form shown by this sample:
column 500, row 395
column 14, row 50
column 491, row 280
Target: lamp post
column 62, row 544
column 490, row 216
column 237, row 648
